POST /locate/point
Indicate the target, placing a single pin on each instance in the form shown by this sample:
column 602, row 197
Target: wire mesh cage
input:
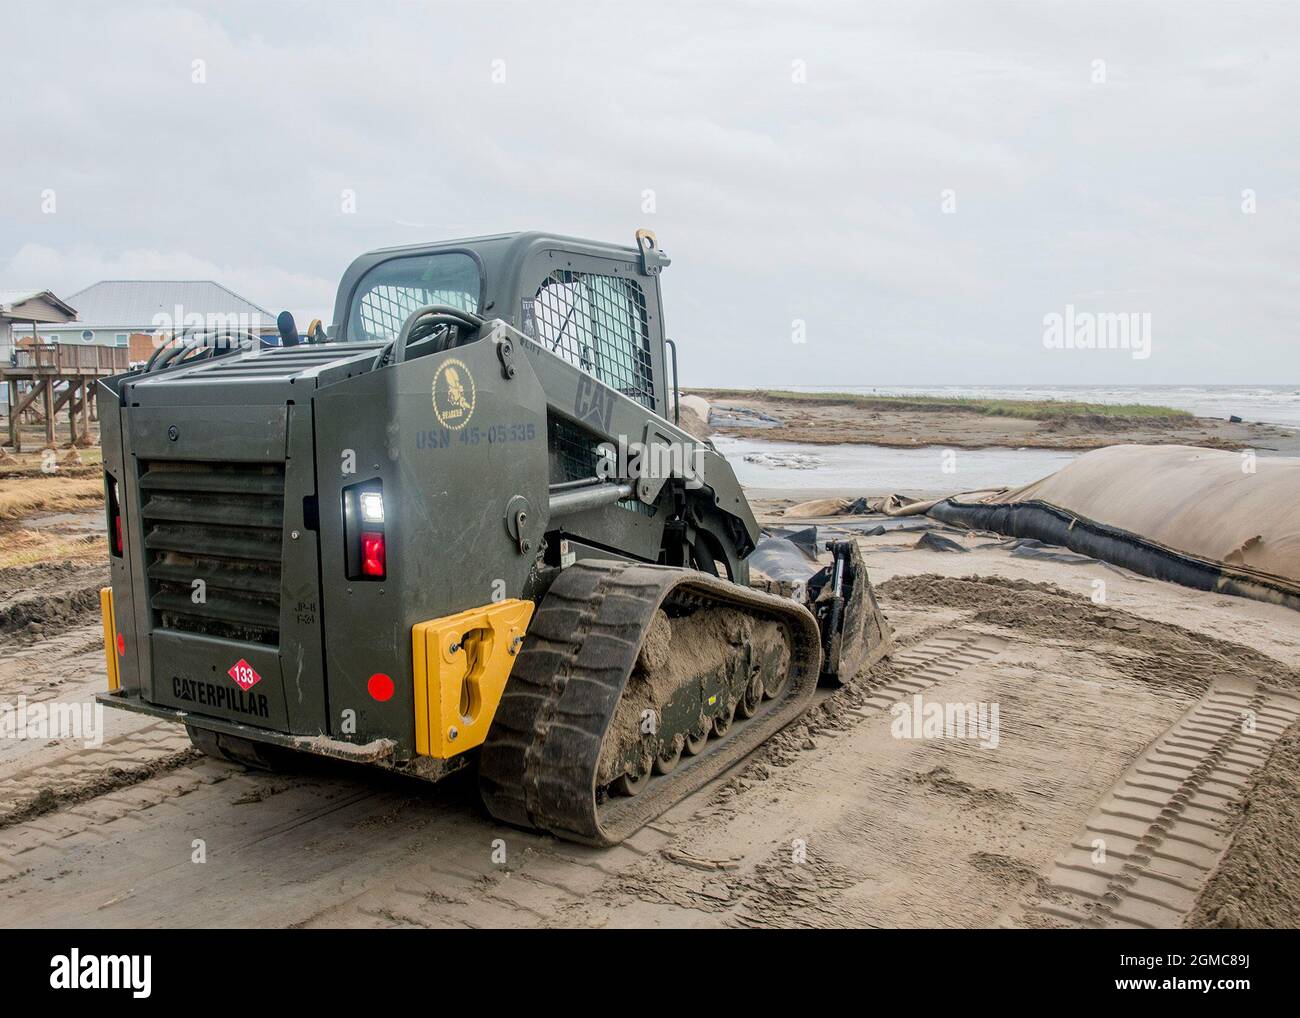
column 598, row 323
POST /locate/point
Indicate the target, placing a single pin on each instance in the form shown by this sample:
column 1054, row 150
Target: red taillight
column 372, row 555
column 363, row 531
column 117, row 533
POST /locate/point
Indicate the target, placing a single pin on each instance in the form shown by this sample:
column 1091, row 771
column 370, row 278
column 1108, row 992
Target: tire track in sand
column 76, row 777
column 928, row 663
column 1151, row 844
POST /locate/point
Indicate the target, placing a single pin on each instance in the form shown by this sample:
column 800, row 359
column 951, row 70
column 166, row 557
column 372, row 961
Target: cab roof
column 500, row 256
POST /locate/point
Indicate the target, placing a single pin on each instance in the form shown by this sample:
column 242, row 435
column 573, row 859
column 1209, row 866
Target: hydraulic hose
column 183, row 344
column 428, row 317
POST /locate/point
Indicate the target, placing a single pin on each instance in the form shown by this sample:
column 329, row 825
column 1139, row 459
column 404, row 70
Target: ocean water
column 1270, row 404
column 877, row 470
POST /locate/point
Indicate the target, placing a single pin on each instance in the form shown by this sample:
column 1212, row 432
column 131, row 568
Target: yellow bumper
column 110, row 638
column 462, row 663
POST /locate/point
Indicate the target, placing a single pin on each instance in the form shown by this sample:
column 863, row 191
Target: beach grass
column 24, row 547
column 28, row 496
column 1028, row 409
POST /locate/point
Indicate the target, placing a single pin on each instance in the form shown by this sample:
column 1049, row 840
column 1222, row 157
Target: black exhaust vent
column 219, row 523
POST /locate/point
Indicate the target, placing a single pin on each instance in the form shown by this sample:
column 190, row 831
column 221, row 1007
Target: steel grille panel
column 598, row 323
column 574, row 454
column 573, row 451
column 220, row 523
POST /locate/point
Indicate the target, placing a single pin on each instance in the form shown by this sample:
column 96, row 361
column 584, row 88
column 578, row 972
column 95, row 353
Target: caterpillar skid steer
column 459, row 525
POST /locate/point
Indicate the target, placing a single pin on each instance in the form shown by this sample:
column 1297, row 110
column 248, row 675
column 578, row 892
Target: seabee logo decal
column 453, row 394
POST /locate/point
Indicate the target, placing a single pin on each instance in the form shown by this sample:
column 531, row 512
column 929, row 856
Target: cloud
column 778, row 199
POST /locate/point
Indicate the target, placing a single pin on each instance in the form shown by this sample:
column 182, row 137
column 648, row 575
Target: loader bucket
column 855, row 633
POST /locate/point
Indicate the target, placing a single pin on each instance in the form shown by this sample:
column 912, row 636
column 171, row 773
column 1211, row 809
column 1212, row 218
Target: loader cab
column 597, row 306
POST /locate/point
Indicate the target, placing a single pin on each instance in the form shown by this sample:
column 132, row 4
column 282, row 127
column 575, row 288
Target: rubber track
column 538, row 765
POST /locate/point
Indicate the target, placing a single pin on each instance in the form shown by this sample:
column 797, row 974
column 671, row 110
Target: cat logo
column 453, row 394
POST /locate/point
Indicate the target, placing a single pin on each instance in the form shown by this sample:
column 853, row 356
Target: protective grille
column 574, row 453
column 219, row 523
column 385, row 309
column 598, row 323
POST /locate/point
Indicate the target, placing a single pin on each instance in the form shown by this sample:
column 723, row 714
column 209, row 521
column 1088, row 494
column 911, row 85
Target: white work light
column 372, row 506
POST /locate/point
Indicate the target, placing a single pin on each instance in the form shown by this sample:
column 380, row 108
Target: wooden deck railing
column 71, row 359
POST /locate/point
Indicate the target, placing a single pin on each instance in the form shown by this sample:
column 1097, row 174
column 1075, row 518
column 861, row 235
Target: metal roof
column 135, row 303
column 10, row 299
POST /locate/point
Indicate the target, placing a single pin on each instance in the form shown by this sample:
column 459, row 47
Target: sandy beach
column 900, row 831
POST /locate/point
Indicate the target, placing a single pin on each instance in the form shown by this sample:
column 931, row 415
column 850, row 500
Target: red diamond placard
column 244, row 674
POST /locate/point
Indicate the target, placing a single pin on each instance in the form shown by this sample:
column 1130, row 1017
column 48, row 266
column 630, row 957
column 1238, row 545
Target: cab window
column 389, row 292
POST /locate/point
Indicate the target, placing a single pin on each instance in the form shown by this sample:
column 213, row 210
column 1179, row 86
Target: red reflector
column 117, row 534
column 372, row 554
column 380, row 687
column 121, row 646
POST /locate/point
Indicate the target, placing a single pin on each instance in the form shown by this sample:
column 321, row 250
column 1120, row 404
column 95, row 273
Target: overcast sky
column 919, row 184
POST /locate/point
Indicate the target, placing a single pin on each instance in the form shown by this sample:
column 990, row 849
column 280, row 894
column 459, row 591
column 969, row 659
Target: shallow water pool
column 876, row 469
